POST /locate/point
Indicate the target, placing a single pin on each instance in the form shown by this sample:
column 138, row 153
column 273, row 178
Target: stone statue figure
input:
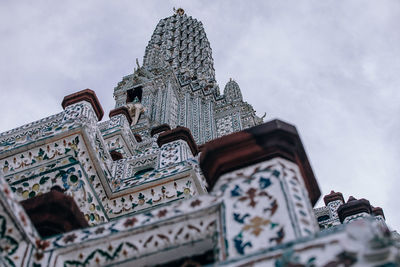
column 135, row 108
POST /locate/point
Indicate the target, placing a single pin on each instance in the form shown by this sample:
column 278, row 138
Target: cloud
column 331, row 69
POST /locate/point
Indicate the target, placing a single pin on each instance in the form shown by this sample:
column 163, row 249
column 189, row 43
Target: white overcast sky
column 332, row 68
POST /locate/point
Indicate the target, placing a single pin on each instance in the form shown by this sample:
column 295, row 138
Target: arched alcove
column 133, row 93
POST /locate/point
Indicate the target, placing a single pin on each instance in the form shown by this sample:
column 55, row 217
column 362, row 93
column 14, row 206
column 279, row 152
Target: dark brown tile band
column 159, row 129
column 54, row 213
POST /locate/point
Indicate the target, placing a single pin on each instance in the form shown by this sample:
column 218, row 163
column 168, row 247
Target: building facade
column 179, row 175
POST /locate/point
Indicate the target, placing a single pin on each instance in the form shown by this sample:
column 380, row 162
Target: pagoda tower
column 179, row 175
column 176, row 84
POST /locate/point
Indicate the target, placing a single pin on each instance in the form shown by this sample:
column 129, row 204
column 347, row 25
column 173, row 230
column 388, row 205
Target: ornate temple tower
column 137, row 190
column 177, row 85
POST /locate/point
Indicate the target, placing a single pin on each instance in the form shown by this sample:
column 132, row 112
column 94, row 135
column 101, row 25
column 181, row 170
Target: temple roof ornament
column 179, row 11
column 232, row 91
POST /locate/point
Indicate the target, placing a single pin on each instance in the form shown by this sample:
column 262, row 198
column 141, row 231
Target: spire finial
column 137, row 63
column 179, row 11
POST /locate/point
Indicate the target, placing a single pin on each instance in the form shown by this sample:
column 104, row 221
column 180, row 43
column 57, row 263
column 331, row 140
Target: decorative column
column 378, row 213
column 333, row 201
column 176, row 145
column 121, row 120
column 121, row 113
column 82, row 106
column 354, row 209
column 82, row 111
column 267, row 185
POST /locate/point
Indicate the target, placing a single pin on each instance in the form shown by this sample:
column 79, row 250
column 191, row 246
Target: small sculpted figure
column 135, row 109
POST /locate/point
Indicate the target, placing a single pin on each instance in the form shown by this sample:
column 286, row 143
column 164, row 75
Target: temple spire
column 180, row 42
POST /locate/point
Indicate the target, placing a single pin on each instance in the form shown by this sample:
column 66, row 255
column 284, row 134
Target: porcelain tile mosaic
column 172, row 178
